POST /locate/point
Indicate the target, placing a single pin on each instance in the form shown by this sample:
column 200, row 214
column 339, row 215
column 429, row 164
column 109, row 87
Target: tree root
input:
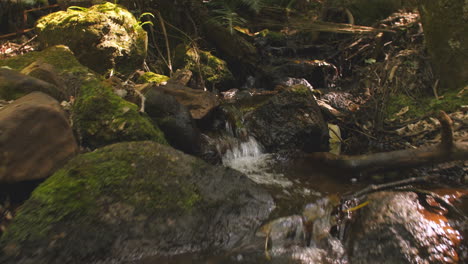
column 447, row 150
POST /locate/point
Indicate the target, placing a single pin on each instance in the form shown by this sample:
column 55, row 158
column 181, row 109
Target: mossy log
column 447, row 150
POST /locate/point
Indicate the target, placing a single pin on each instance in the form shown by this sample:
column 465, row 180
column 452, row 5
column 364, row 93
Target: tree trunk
column 446, row 36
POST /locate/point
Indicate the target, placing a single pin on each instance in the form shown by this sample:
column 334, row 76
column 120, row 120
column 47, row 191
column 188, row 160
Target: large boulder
column 13, row 85
column 100, row 117
column 103, row 37
column 35, row 138
column 396, row 227
column 131, row 200
column 200, row 103
column 289, row 120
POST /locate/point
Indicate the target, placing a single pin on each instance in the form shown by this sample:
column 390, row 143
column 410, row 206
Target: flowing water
column 305, row 198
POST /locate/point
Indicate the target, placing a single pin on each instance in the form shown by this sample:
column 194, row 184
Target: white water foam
column 248, row 157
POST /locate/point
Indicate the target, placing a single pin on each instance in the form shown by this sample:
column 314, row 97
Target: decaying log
column 446, row 150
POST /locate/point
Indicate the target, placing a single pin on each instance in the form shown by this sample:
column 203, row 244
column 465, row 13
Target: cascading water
column 247, row 157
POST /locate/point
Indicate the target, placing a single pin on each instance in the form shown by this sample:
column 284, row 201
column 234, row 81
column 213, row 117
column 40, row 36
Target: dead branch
column 447, row 150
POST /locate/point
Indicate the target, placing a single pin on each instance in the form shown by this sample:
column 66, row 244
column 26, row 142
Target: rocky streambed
column 153, row 169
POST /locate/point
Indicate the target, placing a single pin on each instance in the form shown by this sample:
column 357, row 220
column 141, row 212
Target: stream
column 297, row 188
column 302, row 227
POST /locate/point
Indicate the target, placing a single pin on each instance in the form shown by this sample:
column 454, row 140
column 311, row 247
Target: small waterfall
column 248, row 157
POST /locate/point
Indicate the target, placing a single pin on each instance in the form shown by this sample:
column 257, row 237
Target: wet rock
column 132, row 200
column 13, row 85
column 396, row 228
column 35, row 138
column 103, row 37
column 100, row 117
column 174, row 119
column 200, row 103
column 289, row 120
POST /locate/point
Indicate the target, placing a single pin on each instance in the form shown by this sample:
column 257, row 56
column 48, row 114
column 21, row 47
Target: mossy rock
column 100, row 117
column 134, row 199
column 212, row 69
column 151, row 77
column 103, row 37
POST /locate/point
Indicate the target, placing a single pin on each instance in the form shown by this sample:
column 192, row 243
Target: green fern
column 227, row 16
column 226, row 12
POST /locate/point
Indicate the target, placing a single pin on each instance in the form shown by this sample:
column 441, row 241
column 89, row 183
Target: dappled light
column 233, row 131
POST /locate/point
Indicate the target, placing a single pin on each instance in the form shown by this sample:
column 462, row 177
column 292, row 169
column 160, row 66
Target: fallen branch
column 447, row 150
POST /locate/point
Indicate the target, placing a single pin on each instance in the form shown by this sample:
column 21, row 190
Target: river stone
column 13, row 85
column 132, row 200
column 48, row 73
column 289, row 120
column 200, row 103
column 395, row 228
column 175, row 121
column 35, row 138
column 103, row 37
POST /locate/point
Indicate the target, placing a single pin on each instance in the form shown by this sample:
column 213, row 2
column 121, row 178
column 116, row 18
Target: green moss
column 300, row 89
column 104, row 118
column 151, row 77
column 99, row 116
column 422, row 105
column 104, row 37
column 77, row 195
column 59, row 56
column 213, row 70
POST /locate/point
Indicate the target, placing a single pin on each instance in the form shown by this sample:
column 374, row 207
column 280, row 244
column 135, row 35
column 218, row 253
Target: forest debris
column 446, row 150
column 307, row 25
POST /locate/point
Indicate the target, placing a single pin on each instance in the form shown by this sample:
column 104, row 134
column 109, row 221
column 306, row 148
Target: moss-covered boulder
column 103, row 37
column 100, row 117
column 132, row 200
column 207, row 69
